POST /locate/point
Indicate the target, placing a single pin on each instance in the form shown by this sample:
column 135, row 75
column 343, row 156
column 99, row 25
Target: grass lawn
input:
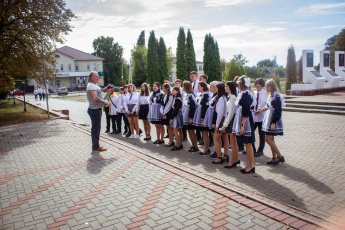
column 14, row 114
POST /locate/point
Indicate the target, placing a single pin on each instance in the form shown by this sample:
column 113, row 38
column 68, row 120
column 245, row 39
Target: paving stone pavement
column 49, row 180
column 310, row 180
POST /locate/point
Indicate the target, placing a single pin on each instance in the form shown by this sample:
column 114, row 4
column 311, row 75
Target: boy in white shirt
column 113, row 112
column 258, row 116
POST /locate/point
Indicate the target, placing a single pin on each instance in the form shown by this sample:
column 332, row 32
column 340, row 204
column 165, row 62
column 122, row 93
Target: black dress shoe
column 147, row 138
column 214, row 155
column 181, row 147
column 233, row 165
column 160, row 142
column 175, row 148
column 282, row 159
column 156, row 142
column 273, row 162
column 114, row 132
column 124, row 133
column 173, row 144
column 107, row 131
column 207, row 152
column 193, row 149
column 117, row 132
column 201, row 142
column 250, row 171
column 140, row 131
column 167, row 136
column 128, row 134
column 257, row 154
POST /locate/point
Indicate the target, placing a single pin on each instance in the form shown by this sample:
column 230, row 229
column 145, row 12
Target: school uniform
column 166, row 108
column 35, row 92
column 203, row 105
column 176, row 114
column 275, row 103
column 144, row 107
column 244, row 102
column 190, row 106
column 121, row 113
column 113, row 112
column 39, row 91
column 220, row 109
column 195, row 87
column 131, row 104
column 230, row 114
column 208, row 120
column 258, row 119
column 155, row 115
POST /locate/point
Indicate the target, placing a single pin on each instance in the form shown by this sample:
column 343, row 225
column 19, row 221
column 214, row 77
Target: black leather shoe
column 207, row 152
column 128, row 134
column 114, row 132
column 193, row 149
column 250, row 171
column 273, row 162
column 156, row 142
column 173, row 144
column 233, row 165
column 167, row 136
column 175, row 148
column 107, row 131
column 160, row 142
column 258, row 154
column 147, row 138
column 214, row 155
column 282, row 159
column 140, row 131
column 124, row 133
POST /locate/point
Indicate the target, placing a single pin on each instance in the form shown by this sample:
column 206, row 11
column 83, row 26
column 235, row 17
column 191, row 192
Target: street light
column 24, row 92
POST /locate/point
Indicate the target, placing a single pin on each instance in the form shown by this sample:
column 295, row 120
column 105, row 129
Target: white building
column 72, row 69
column 199, row 69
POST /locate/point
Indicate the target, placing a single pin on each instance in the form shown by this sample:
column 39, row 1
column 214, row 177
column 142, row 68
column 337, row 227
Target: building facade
column 199, row 65
column 72, row 69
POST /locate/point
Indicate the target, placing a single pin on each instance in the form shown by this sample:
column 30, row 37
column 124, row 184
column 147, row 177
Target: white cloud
column 325, row 27
column 321, row 9
column 220, row 3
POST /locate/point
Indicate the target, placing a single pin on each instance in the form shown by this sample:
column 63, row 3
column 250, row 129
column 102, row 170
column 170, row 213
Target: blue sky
column 258, row 29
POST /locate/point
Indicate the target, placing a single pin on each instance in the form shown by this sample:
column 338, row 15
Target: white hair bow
column 247, row 81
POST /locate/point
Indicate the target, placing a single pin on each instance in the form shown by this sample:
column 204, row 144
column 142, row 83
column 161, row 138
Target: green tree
column 181, row 53
column 330, row 42
column 291, row 68
column 171, row 59
column 190, row 54
column 112, row 53
column 239, row 58
column 211, row 59
column 339, row 45
column 162, row 58
column 139, row 63
column 26, row 29
column 234, row 69
column 266, row 62
column 152, row 59
column 141, row 39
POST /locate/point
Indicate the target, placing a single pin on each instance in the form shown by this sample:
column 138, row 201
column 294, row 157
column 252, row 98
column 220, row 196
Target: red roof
column 77, row 54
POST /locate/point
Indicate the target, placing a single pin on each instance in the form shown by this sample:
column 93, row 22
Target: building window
column 61, row 66
column 76, row 67
column 57, row 56
column 88, row 67
column 54, row 67
column 94, row 66
column 200, row 67
column 69, row 67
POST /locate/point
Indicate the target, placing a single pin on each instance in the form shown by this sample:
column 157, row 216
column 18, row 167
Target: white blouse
column 168, row 105
column 132, row 98
column 144, row 100
column 220, row 110
column 230, row 109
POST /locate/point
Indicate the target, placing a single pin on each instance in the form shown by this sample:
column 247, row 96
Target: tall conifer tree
column 190, row 56
column 181, row 52
column 162, row 57
column 152, row 59
column 141, row 39
column 211, row 60
column 291, row 68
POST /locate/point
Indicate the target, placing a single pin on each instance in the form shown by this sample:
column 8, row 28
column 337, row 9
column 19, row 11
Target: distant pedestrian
column 96, row 102
column 273, row 123
column 44, row 94
column 39, row 91
column 113, row 112
column 35, row 93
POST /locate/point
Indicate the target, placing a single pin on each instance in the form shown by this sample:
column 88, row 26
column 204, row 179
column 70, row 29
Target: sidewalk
column 50, row 180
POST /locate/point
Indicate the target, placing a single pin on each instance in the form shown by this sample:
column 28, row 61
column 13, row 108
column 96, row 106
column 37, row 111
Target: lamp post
column 24, row 92
column 45, row 81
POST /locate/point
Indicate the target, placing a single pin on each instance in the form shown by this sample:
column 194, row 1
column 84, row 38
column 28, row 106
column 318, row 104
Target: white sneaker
column 136, row 136
column 131, row 136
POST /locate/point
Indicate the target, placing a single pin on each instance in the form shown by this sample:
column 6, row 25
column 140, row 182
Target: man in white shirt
column 258, row 115
column 204, row 78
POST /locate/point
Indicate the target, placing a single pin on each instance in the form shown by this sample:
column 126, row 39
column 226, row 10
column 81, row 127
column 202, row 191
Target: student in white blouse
column 259, row 115
column 131, row 109
column 230, row 88
column 144, row 107
column 195, row 82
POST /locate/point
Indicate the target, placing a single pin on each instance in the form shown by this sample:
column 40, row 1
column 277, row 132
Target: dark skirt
column 168, row 116
column 189, row 127
column 130, row 109
column 274, row 134
column 204, row 129
column 245, row 139
column 143, row 111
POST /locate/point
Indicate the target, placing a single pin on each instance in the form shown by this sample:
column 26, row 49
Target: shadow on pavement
column 96, row 163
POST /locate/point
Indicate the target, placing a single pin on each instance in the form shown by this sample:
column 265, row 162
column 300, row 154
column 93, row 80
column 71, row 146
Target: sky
column 259, row 29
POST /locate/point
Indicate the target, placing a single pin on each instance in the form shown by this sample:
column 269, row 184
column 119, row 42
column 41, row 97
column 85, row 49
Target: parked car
column 62, row 91
column 17, row 92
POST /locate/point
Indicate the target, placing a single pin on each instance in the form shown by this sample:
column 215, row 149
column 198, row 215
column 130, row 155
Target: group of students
column 40, row 93
column 225, row 112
